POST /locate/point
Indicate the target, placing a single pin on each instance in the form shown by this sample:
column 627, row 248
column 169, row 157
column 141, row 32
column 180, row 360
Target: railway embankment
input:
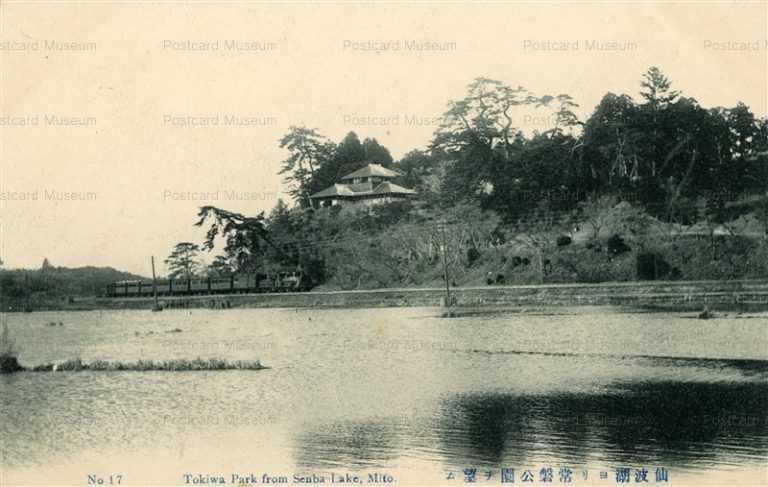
column 680, row 295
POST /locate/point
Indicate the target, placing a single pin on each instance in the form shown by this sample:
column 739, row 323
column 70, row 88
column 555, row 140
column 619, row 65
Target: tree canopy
column 632, row 165
column 183, row 261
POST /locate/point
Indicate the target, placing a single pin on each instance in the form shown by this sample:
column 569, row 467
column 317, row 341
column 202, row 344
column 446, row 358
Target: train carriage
column 242, row 284
column 163, row 288
column 222, row 285
column 198, row 286
column 280, row 281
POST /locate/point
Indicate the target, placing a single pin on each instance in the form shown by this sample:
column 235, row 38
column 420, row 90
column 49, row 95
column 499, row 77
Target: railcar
column 222, row 285
column 163, row 288
column 280, row 281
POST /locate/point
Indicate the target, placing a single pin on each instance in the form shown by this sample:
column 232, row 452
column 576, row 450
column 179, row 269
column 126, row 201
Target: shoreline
column 741, row 295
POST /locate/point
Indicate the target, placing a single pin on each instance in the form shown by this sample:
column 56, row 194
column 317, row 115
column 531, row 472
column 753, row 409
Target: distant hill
column 21, row 287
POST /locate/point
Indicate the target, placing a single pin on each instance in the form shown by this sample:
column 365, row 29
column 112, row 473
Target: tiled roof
column 344, row 190
column 391, row 188
column 335, row 190
column 372, row 170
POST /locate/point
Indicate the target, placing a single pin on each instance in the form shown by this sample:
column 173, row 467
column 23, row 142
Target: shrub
column 9, row 364
column 582, row 264
column 99, row 365
column 72, row 365
column 176, row 365
column 616, row 245
column 727, row 257
column 651, row 266
column 472, row 255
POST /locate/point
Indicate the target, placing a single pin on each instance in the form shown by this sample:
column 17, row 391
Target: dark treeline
column 53, row 286
column 646, row 188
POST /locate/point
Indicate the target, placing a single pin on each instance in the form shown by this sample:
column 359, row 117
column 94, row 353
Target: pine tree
column 183, row 261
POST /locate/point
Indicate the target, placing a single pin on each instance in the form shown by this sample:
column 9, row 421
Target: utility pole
column 445, row 265
column 154, row 286
column 28, row 292
column 765, row 216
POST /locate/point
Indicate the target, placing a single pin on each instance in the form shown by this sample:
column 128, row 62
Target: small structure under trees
column 369, row 185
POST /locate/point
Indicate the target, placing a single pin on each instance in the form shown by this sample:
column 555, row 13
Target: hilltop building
column 370, row 185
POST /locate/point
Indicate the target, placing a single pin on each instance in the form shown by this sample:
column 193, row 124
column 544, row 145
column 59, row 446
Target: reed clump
column 10, row 364
column 174, row 365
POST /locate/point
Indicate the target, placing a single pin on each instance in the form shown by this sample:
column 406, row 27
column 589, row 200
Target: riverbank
column 744, row 295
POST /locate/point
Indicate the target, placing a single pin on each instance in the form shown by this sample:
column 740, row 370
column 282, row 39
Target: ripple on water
column 392, row 388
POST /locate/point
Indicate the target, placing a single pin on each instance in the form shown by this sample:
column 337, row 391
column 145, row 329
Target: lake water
column 397, row 392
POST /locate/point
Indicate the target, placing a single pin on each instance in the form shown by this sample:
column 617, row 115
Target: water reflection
column 347, row 445
column 675, row 424
column 395, row 391
column 662, row 422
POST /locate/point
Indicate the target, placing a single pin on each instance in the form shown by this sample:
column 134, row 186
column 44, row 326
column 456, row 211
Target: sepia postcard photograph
column 383, row 243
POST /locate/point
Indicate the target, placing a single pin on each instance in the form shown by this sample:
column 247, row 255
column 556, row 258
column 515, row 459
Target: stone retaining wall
column 666, row 294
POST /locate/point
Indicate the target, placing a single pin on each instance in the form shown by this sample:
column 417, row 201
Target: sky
column 118, row 120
